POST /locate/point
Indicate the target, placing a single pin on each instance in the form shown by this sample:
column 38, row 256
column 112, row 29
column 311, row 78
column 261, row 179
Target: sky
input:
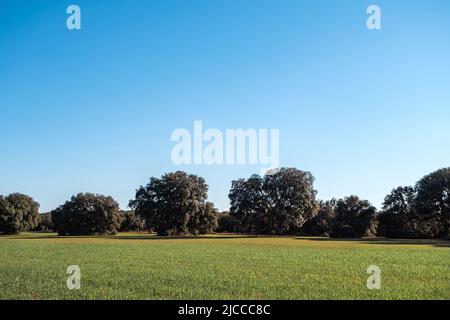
column 93, row 110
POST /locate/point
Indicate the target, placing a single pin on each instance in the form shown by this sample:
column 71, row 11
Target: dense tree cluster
column 87, row 214
column 422, row 211
column 281, row 202
column 278, row 203
column 176, row 204
column 18, row 213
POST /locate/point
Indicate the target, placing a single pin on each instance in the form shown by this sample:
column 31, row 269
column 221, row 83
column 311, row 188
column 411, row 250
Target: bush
column 176, row 204
column 18, row 213
column 353, row 218
column 87, row 214
column 45, row 223
column 226, row 223
column 131, row 222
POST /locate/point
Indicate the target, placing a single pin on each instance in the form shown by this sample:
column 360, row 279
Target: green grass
column 132, row 266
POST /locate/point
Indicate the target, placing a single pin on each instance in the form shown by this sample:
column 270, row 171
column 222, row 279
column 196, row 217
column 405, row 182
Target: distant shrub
column 87, row 214
column 18, row 213
column 45, row 223
column 226, row 223
column 131, row 222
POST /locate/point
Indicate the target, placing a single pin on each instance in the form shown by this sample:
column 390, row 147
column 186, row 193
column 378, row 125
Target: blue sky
column 92, row 110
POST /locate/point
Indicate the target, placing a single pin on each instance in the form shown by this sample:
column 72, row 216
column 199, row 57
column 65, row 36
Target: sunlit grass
column 143, row 266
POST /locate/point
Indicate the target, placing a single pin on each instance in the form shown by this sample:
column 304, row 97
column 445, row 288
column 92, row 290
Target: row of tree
column 282, row 202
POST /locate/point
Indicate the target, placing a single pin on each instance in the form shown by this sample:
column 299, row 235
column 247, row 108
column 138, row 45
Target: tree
column 18, row 213
column 279, row 203
column 87, row 214
column 131, row 222
column 397, row 218
column 320, row 224
column 249, row 205
column 354, row 218
column 175, row 204
column 433, row 203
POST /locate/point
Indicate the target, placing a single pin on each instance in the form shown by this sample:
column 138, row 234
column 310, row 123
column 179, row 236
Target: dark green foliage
column 205, row 221
column 131, row 222
column 226, row 223
column 249, row 206
column 397, row 218
column 353, row 218
column 18, row 213
column 45, row 223
column 279, row 203
column 433, row 203
column 176, row 204
column 87, row 214
column 320, row 224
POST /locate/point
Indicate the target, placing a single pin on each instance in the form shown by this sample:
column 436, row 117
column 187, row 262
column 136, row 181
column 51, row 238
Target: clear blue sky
column 93, row 110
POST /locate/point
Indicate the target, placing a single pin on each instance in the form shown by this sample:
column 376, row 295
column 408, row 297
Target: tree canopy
column 18, row 213
column 278, row 203
column 87, row 214
column 433, row 203
column 175, row 204
column 353, row 218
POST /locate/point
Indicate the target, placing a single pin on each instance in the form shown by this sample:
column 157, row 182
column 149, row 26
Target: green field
column 133, row 266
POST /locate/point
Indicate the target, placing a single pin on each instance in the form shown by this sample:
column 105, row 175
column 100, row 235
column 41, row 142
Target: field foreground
column 139, row 266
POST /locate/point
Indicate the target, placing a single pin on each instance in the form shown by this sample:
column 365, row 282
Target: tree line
column 282, row 202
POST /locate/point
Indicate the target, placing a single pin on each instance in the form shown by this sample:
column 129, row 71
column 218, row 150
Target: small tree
column 354, row 218
column 87, row 214
column 18, row 213
column 175, row 204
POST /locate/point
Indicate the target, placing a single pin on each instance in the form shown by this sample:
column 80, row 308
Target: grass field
column 133, row 266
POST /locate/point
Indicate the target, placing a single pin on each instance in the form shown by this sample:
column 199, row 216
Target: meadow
column 142, row 266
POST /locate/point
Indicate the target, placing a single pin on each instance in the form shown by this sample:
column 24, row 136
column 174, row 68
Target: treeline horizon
column 282, row 202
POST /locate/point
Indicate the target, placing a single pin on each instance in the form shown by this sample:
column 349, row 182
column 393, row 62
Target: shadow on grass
column 385, row 241
column 153, row 237
column 128, row 237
